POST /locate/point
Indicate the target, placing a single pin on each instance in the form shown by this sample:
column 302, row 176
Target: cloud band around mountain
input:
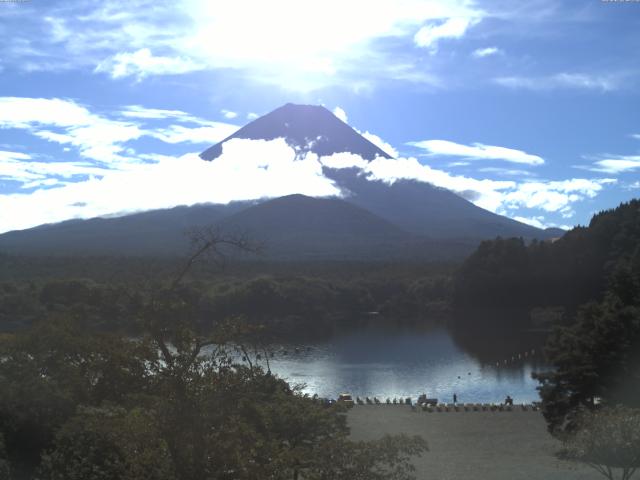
column 105, row 162
column 253, row 169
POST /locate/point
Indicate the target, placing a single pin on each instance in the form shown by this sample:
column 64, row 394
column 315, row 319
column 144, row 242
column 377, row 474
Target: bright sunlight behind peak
column 310, row 40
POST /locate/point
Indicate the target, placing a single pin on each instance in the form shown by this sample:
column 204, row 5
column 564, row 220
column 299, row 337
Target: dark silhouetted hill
column 295, row 227
column 302, row 227
column 157, row 232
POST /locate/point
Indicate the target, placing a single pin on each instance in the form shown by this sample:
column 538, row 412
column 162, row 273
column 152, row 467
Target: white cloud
column 554, row 196
column 380, row 143
column 142, row 63
column 580, row 81
column 540, row 221
column 511, row 172
column 617, row 164
column 633, row 186
column 486, row 52
column 247, row 169
column 207, row 132
column 496, row 196
column 138, row 111
column 21, row 112
column 228, row 114
column 213, row 133
column 375, row 139
column 429, row 35
column 6, row 156
column 341, row 114
column 408, row 72
column 252, row 116
column 97, row 137
column 477, row 151
column 46, row 182
column 537, row 222
column 489, row 192
column 21, row 168
column 344, row 160
column 102, row 140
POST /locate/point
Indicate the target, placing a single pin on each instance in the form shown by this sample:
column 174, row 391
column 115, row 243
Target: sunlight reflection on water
column 402, row 364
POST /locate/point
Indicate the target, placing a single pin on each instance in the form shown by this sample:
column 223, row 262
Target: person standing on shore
column 455, row 398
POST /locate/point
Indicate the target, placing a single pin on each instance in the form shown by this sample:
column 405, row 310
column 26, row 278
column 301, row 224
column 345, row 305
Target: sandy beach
column 472, row 445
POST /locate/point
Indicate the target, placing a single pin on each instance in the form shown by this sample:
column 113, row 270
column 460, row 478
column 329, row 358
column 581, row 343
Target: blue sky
column 529, row 109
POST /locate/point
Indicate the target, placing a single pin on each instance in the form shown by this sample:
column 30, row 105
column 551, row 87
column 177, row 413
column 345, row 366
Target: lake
column 406, row 363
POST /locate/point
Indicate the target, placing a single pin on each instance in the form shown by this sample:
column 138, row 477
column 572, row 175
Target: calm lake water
column 407, row 363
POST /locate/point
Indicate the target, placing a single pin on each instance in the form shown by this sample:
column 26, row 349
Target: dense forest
column 508, row 274
column 592, row 276
column 314, row 299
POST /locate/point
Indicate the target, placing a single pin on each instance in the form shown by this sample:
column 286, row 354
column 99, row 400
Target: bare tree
column 211, row 243
column 169, row 316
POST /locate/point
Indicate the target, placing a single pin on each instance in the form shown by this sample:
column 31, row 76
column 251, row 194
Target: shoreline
column 445, row 407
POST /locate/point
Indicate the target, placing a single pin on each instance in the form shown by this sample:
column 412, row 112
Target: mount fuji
column 415, row 206
column 372, row 219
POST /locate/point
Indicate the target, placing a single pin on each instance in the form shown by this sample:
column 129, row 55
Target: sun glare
column 299, row 37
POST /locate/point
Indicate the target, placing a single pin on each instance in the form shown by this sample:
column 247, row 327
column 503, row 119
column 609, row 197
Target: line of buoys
column 481, row 407
column 514, row 358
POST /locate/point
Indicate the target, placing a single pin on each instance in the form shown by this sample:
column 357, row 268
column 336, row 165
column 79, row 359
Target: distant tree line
column 288, row 304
